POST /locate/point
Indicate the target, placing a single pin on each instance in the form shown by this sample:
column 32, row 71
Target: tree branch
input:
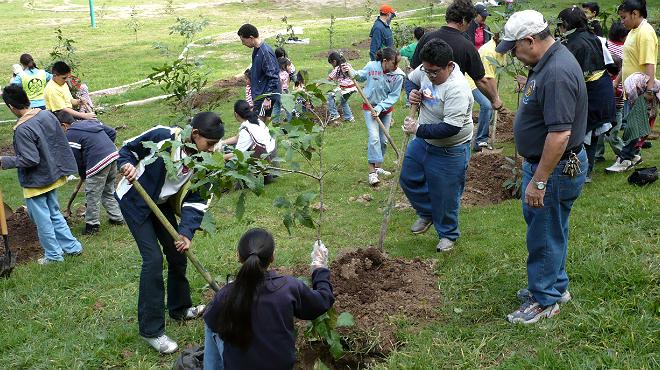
column 317, row 178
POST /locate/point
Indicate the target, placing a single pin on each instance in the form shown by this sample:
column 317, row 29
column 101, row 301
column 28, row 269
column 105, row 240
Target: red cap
column 386, row 9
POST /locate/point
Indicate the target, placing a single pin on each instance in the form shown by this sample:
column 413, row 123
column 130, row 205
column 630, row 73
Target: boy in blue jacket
column 135, row 164
column 93, row 146
column 44, row 160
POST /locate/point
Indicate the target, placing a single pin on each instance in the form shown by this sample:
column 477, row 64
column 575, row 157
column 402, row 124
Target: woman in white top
column 253, row 135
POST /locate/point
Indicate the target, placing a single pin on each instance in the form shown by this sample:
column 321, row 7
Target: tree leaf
column 240, row 206
column 281, row 202
column 304, row 199
column 345, row 319
column 208, row 224
column 288, row 222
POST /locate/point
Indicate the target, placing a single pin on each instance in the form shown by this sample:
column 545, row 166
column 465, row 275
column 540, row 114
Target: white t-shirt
column 259, row 132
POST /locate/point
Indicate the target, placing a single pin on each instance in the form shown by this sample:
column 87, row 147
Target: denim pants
column 151, row 297
column 53, row 231
column 377, row 142
column 591, row 152
column 612, row 137
column 332, row 105
column 433, row 179
column 485, row 115
column 547, row 230
column 213, row 349
column 100, row 190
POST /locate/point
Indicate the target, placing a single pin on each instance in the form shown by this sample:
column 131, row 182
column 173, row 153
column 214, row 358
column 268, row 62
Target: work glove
column 319, row 255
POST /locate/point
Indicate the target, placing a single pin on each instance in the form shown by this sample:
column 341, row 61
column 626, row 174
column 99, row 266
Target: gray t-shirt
column 450, row 102
column 554, row 99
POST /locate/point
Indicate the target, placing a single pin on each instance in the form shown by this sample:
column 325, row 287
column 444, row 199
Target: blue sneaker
column 524, row 295
column 531, row 311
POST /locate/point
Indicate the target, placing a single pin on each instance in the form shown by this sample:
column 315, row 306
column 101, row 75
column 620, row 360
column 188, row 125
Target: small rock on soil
column 485, row 178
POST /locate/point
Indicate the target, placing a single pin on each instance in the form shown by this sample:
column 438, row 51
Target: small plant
column 183, row 79
column 101, row 11
column 403, row 34
column 289, row 34
column 514, row 183
column 64, row 50
column 169, row 7
column 325, row 328
column 368, row 10
column 331, row 32
column 134, row 22
column 188, row 28
column 429, row 12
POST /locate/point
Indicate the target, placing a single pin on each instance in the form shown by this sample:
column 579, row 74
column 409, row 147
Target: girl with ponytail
column 253, row 134
column 249, row 324
column 33, row 80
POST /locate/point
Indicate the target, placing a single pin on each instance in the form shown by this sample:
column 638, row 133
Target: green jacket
column 408, row 51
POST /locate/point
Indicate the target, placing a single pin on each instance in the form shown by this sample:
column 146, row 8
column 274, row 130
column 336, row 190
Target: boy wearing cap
column 478, row 31
column 381, row 34
column 548, row 130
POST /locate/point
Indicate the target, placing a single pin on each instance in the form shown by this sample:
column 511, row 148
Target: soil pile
column 23, row 239
column 209, row 98
column 349, row 54
column 364, row 44
column 504, row 131
column 485, row 180
column 230, row 82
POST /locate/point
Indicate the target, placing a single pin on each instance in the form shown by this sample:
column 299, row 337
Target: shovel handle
column 3, row 217
column 175, row 234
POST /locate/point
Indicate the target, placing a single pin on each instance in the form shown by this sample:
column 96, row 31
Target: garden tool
column 390, row 198
column 170, row 229
column 492, row 139
column 8, row 260
column 67, row 212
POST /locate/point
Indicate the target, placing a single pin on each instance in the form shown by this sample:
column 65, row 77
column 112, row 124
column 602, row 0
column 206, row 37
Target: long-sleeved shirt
column 382, row 89
column 265, row 72
column 381, row 37
column 93, row 146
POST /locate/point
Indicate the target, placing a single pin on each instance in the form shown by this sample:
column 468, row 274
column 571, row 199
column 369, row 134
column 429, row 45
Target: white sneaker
column 637, row 159
column 194, row 312
column 373, row 179
column 620, row 165
column 162, row 344
column 45, row 261
column 382, row 172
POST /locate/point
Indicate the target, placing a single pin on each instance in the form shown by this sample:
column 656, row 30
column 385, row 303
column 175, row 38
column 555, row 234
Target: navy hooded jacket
column 93, row 146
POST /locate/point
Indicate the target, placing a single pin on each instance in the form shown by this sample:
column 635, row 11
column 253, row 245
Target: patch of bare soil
column 230, row 82
column 23, row 239
column 364, row 44
column 504, row 130
column 349, row 54
column 379, row 291
column 485, row 178
column 210, row 97
column 7, row 149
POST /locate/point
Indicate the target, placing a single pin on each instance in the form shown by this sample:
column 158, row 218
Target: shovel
column 170, row 229
column 8, row 261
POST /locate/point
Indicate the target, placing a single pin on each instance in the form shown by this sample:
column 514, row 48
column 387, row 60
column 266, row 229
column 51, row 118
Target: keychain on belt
column 572, row 167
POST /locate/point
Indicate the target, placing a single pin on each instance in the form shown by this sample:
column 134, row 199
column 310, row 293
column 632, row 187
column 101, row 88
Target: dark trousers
column 151, row 298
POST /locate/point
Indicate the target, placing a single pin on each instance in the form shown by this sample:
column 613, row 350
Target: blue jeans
column 547, row 230
column 485, row 115
column 433, row 179
column 612, row 137
column 213, row 349
column 377, row 142
column 332, row 105
column 54, row 233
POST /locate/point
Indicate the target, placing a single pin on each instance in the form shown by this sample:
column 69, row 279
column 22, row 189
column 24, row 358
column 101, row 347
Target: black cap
column 481, row 10
column 209, row 125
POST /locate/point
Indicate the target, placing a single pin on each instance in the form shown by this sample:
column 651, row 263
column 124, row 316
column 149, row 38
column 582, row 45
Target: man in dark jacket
column 478, row 31
column 44, row 160
column 96, row 155
column 381, row 34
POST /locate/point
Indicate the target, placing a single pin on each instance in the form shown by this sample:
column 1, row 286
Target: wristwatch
column 539, row 184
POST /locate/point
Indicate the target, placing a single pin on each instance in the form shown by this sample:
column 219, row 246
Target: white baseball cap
column 16, row 68
column 520, row 25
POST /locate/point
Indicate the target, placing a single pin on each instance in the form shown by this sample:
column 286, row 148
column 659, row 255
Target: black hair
column 283, row 63
column 247, row 30
column 460, row 11
column 64, row 117
column 60, row 68
column 615, row 68
column 234, row 320
column 437, row 52
column 336, row 57
column 617, row 32
column 242, row 108
column 573, row 18
column 593, row 6
column 300, row 78
column 418, row 32
column 28, row 61
column 209, row 125
column 15, row 96
column 628, row 6
column 280, row 52
column 387, row 54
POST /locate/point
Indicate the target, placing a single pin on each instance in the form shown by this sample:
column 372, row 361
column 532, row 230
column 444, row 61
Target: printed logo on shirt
column 430, row 95
column 529, row 91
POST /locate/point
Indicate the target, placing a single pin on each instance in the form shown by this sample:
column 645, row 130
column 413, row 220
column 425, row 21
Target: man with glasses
column 548, row 130
column 58, row 96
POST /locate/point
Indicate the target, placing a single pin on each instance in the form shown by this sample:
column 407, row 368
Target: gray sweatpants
column 100, row 189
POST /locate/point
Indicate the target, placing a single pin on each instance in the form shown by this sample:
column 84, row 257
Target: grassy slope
column 81, row 314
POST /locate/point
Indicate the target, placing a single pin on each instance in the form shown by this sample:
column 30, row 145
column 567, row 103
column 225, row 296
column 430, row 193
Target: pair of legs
column 54, row 233
column 433, row 179
column 99, row 190
column 376, row 142
column 485, row 116
column 612, row 138
column 345, row 107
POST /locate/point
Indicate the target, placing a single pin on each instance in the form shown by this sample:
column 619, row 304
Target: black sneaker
column 116, row 222
column 91, row 229
column 647, row 145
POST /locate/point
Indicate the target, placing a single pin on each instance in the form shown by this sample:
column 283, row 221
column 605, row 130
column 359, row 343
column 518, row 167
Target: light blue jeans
column 332, row 106
column 54, row 233
column 485, row 115
column 213, row 349
column 377, row 142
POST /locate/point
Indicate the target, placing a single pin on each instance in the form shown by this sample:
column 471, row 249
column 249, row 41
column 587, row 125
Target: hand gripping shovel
column 8, row 260
column 170, row 229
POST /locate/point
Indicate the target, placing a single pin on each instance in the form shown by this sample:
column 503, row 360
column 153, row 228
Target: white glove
column 319, row 255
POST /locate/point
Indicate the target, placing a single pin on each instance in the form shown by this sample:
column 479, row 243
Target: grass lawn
column 82, row 313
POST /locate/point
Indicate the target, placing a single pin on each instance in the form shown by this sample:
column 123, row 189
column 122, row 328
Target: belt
column 565, row 156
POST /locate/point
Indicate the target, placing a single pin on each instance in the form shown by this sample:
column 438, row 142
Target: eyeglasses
column 431, row 74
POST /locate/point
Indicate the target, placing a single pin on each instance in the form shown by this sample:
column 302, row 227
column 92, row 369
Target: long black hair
column 630, row 6
column 28, row 61
column 573, row 18
column 388, row 54
column 234, row 320
column 243, row 110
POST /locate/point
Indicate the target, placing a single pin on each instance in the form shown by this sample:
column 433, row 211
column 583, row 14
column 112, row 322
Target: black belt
column 565, row 156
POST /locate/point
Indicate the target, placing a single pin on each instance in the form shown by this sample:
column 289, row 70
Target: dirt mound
column 364, row 44
column 504, row 125
column 208, row 98
column 379, row 291
column 7, row 149
column 485, row 178
column 23, row 239
column 349, row 54
column 230, row 82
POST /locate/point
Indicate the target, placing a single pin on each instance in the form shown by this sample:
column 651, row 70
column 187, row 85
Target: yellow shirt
column 33, row 192
column 485, row 52
column 57, row 96
column 640, row 48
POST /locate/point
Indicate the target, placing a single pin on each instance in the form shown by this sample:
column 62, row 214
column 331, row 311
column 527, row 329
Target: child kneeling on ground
column 93, row 146
column 44, row 160
column 249, row 324
column 170, row 192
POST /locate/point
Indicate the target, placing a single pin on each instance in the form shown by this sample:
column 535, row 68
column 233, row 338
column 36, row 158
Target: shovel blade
column 8, row 261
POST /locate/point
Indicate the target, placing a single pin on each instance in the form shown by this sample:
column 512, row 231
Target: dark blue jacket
column 265, row 72
column 93, row 145
column 274, row 338
column 43, row 155
column 381, row 37
column 152, row 177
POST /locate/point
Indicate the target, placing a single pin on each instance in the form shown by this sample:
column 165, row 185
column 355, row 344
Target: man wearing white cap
column 548, row 130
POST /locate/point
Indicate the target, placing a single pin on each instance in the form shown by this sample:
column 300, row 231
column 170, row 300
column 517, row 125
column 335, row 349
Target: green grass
column 82, row 314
